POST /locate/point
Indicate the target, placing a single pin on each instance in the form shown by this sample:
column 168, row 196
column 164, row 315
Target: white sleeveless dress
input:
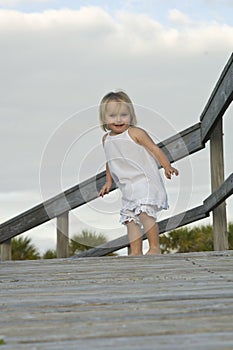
column 136, row 173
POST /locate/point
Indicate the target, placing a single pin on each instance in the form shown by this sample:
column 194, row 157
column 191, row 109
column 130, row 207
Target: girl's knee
column 143, row 216
column 148, row 222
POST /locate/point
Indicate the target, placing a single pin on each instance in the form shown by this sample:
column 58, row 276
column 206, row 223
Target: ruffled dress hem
column 131, row 213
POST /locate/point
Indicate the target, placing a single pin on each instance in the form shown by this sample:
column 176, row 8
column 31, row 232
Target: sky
column 59, row 58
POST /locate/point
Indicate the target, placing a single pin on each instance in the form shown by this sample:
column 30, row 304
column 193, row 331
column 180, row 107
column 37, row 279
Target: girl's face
column 117, row 117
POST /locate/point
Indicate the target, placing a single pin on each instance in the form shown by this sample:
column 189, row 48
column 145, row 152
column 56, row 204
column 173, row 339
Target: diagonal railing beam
column 219, row 100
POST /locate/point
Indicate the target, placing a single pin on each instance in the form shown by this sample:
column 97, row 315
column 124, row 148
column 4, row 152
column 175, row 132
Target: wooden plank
column 63, row 235
column 6, row 250
column 183, row 144
column 176, row 147
column 219, row 100
column 169, row 224
column 104, row 249
column 65, row 201
column 184, row 218
column 217, row 178
column 173, row 301
column 219, row 196
column 23, row 222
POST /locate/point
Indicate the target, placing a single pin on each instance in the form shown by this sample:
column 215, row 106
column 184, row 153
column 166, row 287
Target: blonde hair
column 121, row 97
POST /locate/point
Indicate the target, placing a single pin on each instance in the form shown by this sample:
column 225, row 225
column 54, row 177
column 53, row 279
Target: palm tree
column 23, row 249
column 85, row 241
column 230, row 235
column 195, row 239
column 50, row 254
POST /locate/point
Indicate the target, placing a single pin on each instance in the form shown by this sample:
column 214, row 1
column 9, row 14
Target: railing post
column 217, row 178
column 6, row 250
column 63, row 235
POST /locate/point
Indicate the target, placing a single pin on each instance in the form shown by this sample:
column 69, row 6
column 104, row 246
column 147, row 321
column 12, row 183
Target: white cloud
column 132, row 31
column 179, row 18
column 86, row 18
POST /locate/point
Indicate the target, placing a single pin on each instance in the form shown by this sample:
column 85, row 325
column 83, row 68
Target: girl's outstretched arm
column 108, row 184
column 141, row 136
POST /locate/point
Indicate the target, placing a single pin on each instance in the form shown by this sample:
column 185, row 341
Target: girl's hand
column 105, row 189
column 169, row 171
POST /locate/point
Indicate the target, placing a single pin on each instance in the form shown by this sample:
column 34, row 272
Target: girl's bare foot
column 153, row 251
column 135, row 254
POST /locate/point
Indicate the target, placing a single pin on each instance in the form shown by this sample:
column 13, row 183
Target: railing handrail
column 219, row 100
column 176, row 147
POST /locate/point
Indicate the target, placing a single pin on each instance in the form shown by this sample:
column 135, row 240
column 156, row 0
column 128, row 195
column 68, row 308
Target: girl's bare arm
column 107, row 186
column 141, row 137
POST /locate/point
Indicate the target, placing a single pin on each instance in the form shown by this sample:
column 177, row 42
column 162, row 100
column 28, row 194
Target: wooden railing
column 187, row 217
column 176, row 147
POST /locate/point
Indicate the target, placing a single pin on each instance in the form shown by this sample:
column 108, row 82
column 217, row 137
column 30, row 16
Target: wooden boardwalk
column 181, row 301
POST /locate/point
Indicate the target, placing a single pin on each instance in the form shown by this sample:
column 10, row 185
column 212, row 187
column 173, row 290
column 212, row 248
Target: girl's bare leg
column 135, row 238
column 151, row 229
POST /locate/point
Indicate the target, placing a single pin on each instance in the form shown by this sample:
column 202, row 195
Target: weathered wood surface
column 63, row 235
column 52, row 208
column 219, row 100
column 221, row 193
column 183, row 143
column 217, row 178
column 6, row 250
column 176, row 147
column 178, row 302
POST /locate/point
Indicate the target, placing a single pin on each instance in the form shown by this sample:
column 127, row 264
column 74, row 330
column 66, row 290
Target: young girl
column 132, row 162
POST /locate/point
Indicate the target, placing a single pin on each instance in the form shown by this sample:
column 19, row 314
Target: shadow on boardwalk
column 182, row 301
